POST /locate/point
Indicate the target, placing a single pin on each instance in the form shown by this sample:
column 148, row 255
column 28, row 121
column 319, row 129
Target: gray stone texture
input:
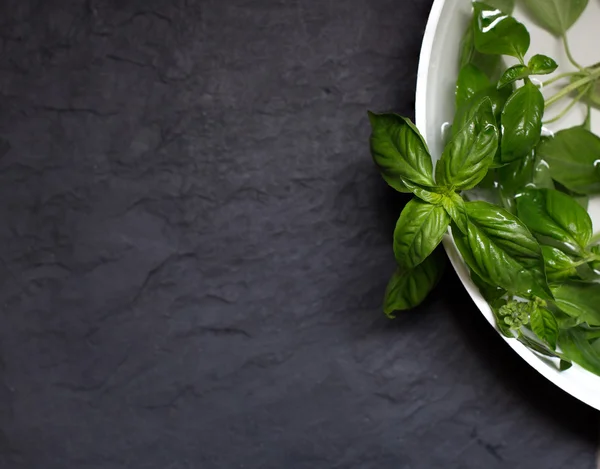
column 194, row 246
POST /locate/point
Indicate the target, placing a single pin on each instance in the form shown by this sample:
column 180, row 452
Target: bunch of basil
column 532, row 252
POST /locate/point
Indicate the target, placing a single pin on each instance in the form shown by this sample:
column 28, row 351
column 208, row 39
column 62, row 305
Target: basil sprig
column 532, row 253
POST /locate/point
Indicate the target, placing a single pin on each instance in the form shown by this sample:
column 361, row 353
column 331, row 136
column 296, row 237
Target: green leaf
column 536, row 346
column 564, row 320
column 582, row 200
column 470, row 81
column 592, row 334
column 555, row 219
column 557, row 16
column 514, row 176
column 455, row 207
column 542, row 179
column 497, row 33
column 572, row 156
column 544, row 325
column 488, row 64
column 491, row 293
column 408, row 288
column 576, row 348
column 466, row 112
column 579, row 300
column 469, row 154
column 425, row 194
column 541, row 65
column 512, row 74
column 400, row 151
column 502, row 251
column 489, row 182
column 538, row 65
column 467, row 47
column 559, row 266
column 512, row 179
column 419, row 230
column 521, row 122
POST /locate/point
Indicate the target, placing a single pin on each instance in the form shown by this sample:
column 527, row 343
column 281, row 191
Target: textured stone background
column 194, row 246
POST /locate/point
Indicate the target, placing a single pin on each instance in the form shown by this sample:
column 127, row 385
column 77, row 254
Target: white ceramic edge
column 561, row 379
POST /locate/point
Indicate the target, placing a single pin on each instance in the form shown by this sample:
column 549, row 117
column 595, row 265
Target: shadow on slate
column 195, row 244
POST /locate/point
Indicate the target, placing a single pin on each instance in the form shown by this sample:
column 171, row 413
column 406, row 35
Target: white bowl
column 438, row 69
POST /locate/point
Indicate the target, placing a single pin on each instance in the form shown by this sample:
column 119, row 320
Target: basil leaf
column 470, row 81
column 467, row 47
column 592, row 334
column 557, row 16
column 521, row 122
column 425, row 194
column 579, row 300
column 559, row 266
column 497, row 33
column 555, row 219
column 575, row 348
column 488, row 64
column 466, row 112
column 491, row 293
column 536, row 346
column 564, row 320
column 400, row 151
column 541, row 65
column 542, row 179
column 513, row 177
column 489, row 182
column 469, row 154
column 572, row 155
column 544, row 325
column 582, row 200
column 455, row 207
column 512, row 74
column 408, row 288
column 502, row 251
column 419, row 230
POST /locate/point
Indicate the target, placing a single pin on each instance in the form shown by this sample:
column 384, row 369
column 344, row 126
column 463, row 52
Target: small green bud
column 516, row 313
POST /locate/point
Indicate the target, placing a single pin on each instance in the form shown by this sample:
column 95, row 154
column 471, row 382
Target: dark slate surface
column 194, row 246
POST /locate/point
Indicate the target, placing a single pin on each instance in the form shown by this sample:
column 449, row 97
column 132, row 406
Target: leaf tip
column 372, row 117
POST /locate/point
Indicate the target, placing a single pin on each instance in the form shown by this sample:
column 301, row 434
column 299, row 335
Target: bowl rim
column 566, row 380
